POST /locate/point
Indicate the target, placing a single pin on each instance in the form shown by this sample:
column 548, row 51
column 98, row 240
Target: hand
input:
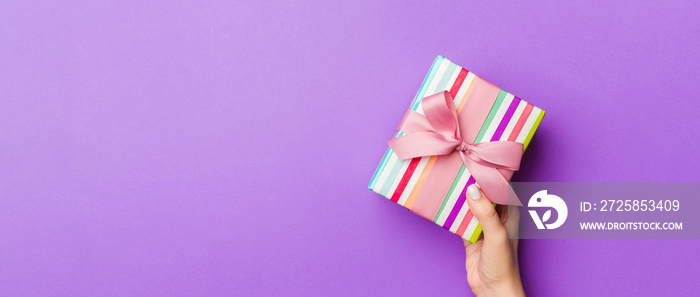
column 492, row 262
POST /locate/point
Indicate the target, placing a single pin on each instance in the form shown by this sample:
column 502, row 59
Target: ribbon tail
column 494, row 185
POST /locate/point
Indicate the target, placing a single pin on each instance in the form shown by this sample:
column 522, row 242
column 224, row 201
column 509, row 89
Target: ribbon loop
column 439, row 133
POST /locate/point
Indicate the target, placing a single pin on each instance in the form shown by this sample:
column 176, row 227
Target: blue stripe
column 414, row 105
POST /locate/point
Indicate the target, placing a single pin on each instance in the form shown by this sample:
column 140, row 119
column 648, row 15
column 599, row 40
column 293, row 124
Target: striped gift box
column 510, row 119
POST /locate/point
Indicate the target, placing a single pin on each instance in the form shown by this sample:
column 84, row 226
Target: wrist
column 515, row 289
column 511, row 288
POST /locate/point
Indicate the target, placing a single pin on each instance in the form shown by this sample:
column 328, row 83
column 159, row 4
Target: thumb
column 484, row 211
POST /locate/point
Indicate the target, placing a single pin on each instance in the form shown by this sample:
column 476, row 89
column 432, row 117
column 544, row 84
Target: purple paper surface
column 223, row 148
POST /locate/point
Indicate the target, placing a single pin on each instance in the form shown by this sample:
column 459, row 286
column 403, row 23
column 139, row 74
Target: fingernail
column 474, row 192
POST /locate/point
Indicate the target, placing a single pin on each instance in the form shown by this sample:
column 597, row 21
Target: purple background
column 202, row 148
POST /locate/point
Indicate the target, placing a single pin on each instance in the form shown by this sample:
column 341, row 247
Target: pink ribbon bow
column 440, row 132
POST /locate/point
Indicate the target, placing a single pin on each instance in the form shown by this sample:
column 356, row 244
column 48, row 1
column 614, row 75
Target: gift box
column 428, row 187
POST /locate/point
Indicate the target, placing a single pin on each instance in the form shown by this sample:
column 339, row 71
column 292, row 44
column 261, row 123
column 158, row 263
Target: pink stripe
column 521, row 122
column 404, row 180
column 458, row 82
column 465, row 223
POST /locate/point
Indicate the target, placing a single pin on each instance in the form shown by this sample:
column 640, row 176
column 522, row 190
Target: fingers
column 483, row 210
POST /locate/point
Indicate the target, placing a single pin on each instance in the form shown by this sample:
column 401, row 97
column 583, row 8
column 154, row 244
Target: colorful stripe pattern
column 510, row 119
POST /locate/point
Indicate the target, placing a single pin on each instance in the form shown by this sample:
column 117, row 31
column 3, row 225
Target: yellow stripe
column 476, row 233
column 419, row 183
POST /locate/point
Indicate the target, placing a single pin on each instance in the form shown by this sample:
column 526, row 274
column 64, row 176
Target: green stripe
column 532, row 131
column 454, row 184
column 492, row 114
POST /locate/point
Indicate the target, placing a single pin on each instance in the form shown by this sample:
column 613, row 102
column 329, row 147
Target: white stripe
column 528, row 124
column 463, row 89
column 459, row 187
column 397, row 180
column 497, row 118
column 514, row 120
column 412, row 181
